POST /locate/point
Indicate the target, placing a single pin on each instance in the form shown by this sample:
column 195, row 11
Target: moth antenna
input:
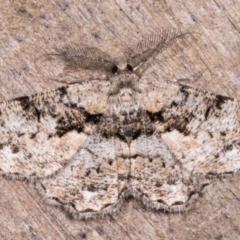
column 81, row 56
column 154, row 44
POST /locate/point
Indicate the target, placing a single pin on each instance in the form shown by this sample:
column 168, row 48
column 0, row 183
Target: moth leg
column 191, row 79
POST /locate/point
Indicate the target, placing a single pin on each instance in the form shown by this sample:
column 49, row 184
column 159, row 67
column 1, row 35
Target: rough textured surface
column 88, row 145
column 213, row 49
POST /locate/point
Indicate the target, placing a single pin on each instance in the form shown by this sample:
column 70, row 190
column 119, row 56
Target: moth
column 86, row 146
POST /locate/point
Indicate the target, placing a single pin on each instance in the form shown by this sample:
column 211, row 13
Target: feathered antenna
column 80, row 56
column 152, row 45
column 76, row 56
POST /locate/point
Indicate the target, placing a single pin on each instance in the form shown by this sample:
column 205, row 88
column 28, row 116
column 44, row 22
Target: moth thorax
column 128, row 98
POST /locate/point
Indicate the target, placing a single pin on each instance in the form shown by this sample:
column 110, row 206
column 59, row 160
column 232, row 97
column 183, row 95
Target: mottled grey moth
column 88, row 145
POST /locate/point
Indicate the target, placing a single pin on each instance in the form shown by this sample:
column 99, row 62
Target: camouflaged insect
column 88, row 145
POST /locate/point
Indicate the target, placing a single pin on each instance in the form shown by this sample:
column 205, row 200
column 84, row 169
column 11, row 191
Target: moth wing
column 157, row 178
column 201, row 129
column 93, row 183
column 41, row 133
